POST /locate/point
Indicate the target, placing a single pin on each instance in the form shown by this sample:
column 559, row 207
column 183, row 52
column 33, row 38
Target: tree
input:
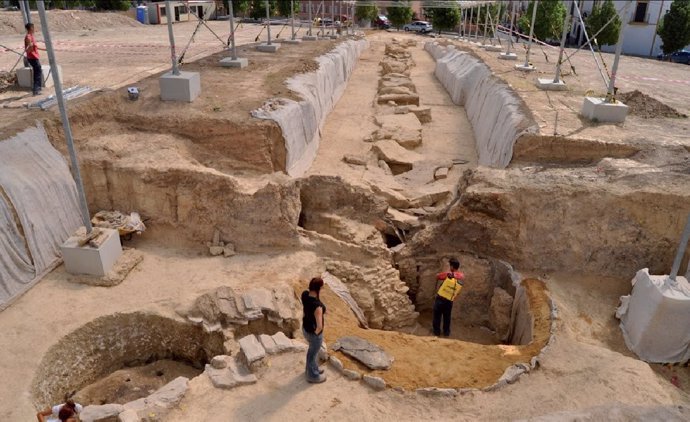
column 400, row 14
column 112, row 4
column 366, row 12
column 259, row 8
column 239, row 7
column 600, row 15
column 549, row 20
column 445, row 19
column 674, row 28
column 284, row 7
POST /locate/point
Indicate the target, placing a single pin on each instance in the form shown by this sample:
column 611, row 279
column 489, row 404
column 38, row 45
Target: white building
column 640, row 38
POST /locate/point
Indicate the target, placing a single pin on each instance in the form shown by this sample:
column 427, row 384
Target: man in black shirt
column 312, row 328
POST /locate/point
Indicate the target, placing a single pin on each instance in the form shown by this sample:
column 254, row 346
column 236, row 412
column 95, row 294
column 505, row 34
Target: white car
column 418, row 26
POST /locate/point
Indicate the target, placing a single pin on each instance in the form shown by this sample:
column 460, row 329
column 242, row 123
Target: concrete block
column 268, row 48
column 252, row 349
column 25, row 76
column 183, row 87
column 334, row 36
column 528, row 68
column 547, row 84
column 507, row 56
column 239, row 62
column 89, row 260
column 596, row 108
column 310, row 38
column 295, row 41
column 494, row 48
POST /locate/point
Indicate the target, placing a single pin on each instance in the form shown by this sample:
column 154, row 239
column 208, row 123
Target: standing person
column 445, row 296
column 53, row 414
column 312, row 328
column 31, row 49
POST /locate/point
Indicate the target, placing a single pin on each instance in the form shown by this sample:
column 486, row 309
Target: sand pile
column 644, row 106
column 7, row 79
column 65, row 20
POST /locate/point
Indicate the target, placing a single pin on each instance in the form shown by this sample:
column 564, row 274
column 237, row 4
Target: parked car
column 680, row 56
column 382, row 22
column 418, row 26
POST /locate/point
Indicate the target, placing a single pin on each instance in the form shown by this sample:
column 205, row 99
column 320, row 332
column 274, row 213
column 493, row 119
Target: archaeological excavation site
column 158, row 230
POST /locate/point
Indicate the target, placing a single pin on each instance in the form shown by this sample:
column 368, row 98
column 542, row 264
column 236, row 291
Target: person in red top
column 31, row 49
column 452, row 283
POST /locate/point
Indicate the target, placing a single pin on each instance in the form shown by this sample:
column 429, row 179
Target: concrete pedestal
column 596, row 108
column 239, row 62
column 547, row 84
column 334, row 36
column 507, row 56
column 268, row 48
column 92, row 261
column 310, row 38
column 25, row 76
column 528, row 68
column 183, row 87
column 494, row 48
column 296, row 41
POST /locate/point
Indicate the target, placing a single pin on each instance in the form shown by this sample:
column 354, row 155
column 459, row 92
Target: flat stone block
column 89, row 260
column 252, row 349
column 239, row 62
column 183, row 87
column 309, row 38
column 334, row 36
column 596, row 108
column 507, row 56
column 25, row 76
column 297, row 41
column 547, row 84
column 494, row 48
column 268, row 48
column 528, row 68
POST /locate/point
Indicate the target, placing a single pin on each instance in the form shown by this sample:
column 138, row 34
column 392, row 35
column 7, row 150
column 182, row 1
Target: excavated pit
column 119, row 358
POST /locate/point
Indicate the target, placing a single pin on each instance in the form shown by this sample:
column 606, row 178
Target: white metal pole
column 311, row 22
column 55, row 70
column 681, row 250
column 323, row 14
column 464, row 26
column 268, row 22
column 531, row 32
column 479, row 16
column 25, row 13
column 486, row 22
column 173, row 56
column 292, row 20
column 233, row 47
column 619, row 48
column 566, row 29
column 510, row 30
column 471, row 19
column 332, row 17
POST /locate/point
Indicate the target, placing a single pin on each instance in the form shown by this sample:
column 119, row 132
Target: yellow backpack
column 450, row 288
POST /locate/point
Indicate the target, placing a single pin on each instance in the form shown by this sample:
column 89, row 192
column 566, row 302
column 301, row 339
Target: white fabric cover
column 497, row 114
column 301, row 122
column 655, row 318
column 38, row 210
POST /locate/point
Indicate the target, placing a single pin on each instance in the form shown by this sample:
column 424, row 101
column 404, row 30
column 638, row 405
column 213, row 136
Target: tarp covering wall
column 497, row 114
column 655, row 318
column 301, row 122
column 38, row 210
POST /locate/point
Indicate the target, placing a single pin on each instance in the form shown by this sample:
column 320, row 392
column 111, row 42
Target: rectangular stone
column 89, row 260
column 268, row 343
column 268, row 48
column 240, row 62
column 183, row 87
column 251, row 348
column 282, row 341
column 598, row 109
column 547, row 84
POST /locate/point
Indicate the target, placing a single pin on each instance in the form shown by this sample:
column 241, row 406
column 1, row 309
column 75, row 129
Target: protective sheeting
column 340, row 289
column 521, row 318
column 38, row 210
column 655, row 318
column 301, row 122
column 495, row 111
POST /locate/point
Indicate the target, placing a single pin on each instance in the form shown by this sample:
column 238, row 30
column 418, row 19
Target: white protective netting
column 38, row 210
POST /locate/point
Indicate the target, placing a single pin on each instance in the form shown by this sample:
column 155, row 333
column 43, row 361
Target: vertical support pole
column 233, row 47
column 471, row 19
column 566, row 29
column 311, row 21
column 23, row 6
column 332, row 17
column 464, row 26
column 510, row 30
column 486, row 23
column 611, row 95
column 460, row 24
column 86, row 219
column 323, row 14
column 173, row 56
column 292, row 20
column 681, row 250
column 268, row 22
column 479, row 16
column 531, row 32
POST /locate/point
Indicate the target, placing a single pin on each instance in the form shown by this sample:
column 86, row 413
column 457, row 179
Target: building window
column 641, row 12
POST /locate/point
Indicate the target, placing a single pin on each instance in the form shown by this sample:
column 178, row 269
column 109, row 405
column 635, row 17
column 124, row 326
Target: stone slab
column 232, row 376
column 268, row 48
column 25, row 76
column 352, row 375
column 369, row 354
column 240, row 62
column 283, row 343
column 252, row 349
column 269, row 344
column 393, row 153
column 596, row 108
column 508, row 56
column 547, row 84
column 437, row 392
column 376, row 383
column 523, row 68
column 96, row 413
column 184, row 87
column 441, row 173
column 89, row 260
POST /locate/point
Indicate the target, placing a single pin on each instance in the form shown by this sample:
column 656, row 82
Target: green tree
column 600, row 15
column 112, row 4
column 367, row 12
column 239, row 7
column 258, row 10
column 549, row 22
column 284, row 7
column 446, row 19
column 674, row 28
column 400, row 14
